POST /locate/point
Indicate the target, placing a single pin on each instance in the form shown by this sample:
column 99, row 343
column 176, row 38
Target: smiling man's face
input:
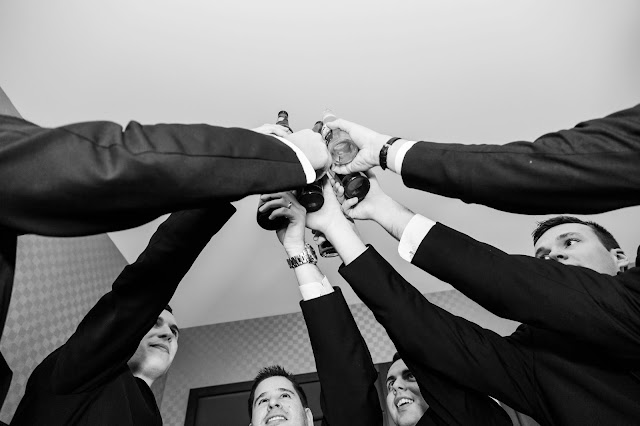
column 404, row 400
column 277, row 403
column 157, row 348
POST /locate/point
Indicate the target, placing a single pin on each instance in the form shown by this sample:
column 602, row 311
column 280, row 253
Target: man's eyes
column 571, row 241
column 283, row 395
column 390, row 384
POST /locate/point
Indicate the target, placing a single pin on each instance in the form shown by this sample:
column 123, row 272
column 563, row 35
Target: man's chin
column 409, row 417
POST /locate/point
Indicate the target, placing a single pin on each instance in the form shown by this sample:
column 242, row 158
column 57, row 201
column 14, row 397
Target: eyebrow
column 279, row 389
column 559, row 238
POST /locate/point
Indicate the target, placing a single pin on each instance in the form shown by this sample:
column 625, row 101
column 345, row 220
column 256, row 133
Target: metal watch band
column 308, row 255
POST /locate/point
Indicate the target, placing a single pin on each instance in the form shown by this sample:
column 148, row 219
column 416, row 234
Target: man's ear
column 309, row 416
column 621, row 259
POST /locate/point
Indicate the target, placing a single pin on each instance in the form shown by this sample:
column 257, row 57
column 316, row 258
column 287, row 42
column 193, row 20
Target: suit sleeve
column 110, row 333
column 591, row 168
column 96, row 177
column 344, row 364
column 594, row 308
column 457, row 363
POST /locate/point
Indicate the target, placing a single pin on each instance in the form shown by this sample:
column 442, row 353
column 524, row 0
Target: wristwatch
column 308, row 255
column 384, row 151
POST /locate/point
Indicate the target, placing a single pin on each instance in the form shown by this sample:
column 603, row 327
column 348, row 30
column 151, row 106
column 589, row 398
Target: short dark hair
column 396, row 357
column 275, row 371
column 603, row 235
column 168, row 308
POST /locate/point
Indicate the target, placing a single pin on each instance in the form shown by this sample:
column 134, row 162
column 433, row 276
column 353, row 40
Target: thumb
column 340, row 124
column 344, row 169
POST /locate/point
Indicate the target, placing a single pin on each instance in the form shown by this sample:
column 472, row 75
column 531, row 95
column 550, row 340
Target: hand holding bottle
column 368, row 141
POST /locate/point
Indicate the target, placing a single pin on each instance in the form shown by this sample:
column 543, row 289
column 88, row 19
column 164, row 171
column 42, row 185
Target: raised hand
column 372, row 206
column 330, row 215
column 369, row 142
column 377, row 206
column 284, row 204
column 313, row 147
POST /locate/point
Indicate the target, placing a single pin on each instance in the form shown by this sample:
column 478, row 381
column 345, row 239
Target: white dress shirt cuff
column 402, row 151
column 415, row 231
column 309, row 172
column 316, row 289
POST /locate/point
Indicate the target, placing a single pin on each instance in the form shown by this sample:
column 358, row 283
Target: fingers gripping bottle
column 343, row 150
column 339, row 143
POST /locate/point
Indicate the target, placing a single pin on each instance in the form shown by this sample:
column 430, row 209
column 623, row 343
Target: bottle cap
column 328, row 115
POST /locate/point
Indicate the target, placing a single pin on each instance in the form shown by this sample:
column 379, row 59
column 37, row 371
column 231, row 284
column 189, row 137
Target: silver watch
column 308, row 255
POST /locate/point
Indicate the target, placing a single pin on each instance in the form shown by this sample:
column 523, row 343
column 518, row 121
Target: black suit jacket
column 87, row 381
column 592, row 168
column 573, row 364
column 95, row 177
column 88, row 178
column 347, row 375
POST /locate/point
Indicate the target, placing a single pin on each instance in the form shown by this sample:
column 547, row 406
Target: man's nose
column 273, row 402
column 558, row 255
column 399, row 384
column 166, row 334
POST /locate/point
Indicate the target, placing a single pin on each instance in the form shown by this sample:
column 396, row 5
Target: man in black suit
column 344, row 364
column 89, row 178
column 103, row 373
column 574, row 361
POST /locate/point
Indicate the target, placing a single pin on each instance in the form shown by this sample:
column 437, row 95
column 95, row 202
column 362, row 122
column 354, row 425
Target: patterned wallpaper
column 234, row 352
column 57, row 281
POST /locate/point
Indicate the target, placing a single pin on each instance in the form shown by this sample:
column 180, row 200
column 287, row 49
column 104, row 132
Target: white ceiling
column 457, row 71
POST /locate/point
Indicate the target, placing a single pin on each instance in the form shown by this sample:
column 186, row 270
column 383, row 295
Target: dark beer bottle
column 311, row 196
column 263, row 217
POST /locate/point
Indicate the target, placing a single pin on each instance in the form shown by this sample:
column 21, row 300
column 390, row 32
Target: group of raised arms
column 572, row 361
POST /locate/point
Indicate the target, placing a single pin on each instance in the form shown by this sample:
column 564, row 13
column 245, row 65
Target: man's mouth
column 275, row 419
column 401, row 402
column 161, row 346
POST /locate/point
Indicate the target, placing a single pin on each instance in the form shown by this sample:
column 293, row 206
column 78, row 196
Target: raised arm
column 594, row 308
column 590, row 168
column 467, row 362
column 343, row 362
column 95, row 177
column 453, row 400
column 110, row 333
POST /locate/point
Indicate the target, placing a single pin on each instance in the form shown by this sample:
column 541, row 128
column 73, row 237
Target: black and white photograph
column 340, row 213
